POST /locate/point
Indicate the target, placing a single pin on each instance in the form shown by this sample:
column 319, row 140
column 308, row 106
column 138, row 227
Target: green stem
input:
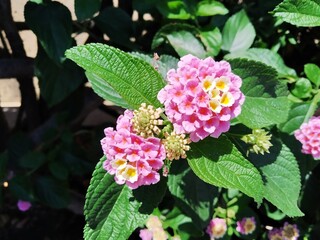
column 313, row 107
column 164, row 117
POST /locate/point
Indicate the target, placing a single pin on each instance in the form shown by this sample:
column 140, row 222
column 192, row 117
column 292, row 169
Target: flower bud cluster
column 176, row 145
column 259, row 141
column 146, row 122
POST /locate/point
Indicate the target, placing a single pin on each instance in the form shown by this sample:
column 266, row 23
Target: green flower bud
column 259, row 141
column 146, row 120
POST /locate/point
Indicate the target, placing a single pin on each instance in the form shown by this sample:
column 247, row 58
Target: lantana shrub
column 204, row 147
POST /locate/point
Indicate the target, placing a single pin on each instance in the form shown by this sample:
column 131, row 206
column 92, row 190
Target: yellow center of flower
column 119, row 163
column 218, row 91
column 226, row 100
column 276, row 237
column 214, row 93
column 207, row 83
column 215, row 105
column 249, row 227
column 289, row 232
column 131, row 172
column 222, row 84
column 218, row 230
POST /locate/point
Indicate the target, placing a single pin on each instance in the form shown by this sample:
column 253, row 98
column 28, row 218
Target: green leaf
column 306, row 162
column 52, row 24
column 104, row 90
column 19, row 144
column 113, row 211
column 238, row 33
column 283, row 185
column 212, row 40
column 161, row 35
column 265, row 56
column 56, row 82
column 52, row 192
column 296, row 117
column 182, row 225
column 110, row 211
column 162, row 65
column 192, row 195
column 117, row 24
column 58, row 170
column 266, row 100
column 32, row 160
column 302, row 88
column 75, row 165
column 303, row 13
column 144, row 6
column 261, row 112
column 133, row 79
column 210, row 8
column 150, row 196
column 312, row 72
column 21, row 187
column 174, row 9
column 186, row 43
column 85, row 9
column 169, row 62
column 218, row 162
column 182, row 38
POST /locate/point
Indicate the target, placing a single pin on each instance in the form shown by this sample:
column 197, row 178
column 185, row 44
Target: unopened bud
column 146, row 120
column 259, row 141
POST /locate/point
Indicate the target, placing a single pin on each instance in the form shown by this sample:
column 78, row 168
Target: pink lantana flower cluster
column 309, row 135
column 217, row 228
column 154, row 230
column 132, row 159
column 246, row 225
column 201, row 97
column 287, row 232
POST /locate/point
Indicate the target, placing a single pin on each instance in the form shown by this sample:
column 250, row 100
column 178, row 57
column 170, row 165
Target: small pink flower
column 201, row 97
column 246, row 225
column 133, row 160
column 154, row 230
column 23, row 205
column 217, row 228
column 309, row 135
column 145, row 234
column 290, row 231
